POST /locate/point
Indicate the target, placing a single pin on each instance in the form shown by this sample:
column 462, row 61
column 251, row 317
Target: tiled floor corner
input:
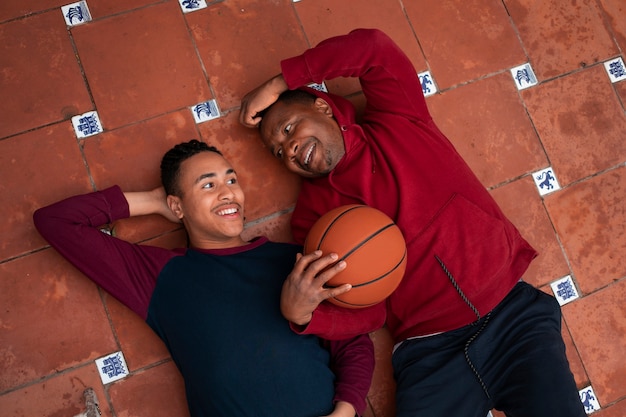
column 531, row 93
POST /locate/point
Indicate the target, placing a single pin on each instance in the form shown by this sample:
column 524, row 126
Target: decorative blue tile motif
column 428, row 84
column 589, row 400
column 192, row 5
column 319, row 87
column 546, row 181
column 76, row 13
column 204, row 111
column 87, row 124
column 564, row 290
column 112, row 367
column 524, row 76
column 616, row 69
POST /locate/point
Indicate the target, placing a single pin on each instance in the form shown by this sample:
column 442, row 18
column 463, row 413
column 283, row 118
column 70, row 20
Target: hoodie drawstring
column 471, row 339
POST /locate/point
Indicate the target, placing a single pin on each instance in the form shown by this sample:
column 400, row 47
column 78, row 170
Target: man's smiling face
column 306, row 137
column 211, row 201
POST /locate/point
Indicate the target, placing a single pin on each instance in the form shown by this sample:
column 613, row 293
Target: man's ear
column 175, row 205
column 322, row 106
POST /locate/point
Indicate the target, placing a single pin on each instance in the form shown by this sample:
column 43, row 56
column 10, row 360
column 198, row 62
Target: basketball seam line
column 377, row 278
column 333, row 222
column 364, row 241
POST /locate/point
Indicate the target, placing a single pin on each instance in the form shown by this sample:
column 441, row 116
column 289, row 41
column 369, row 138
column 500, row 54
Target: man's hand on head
column 260, row 99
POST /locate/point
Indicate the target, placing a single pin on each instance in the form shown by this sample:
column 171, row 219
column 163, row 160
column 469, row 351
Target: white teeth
column 307, row 158
column 227, row 211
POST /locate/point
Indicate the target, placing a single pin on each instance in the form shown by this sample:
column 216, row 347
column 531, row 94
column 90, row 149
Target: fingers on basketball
column 372, row 246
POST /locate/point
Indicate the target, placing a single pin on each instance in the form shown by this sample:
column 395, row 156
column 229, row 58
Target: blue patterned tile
column 589, row 399
column 87, row 124
column 524, row 76
column 319, row 87
column 189, row 6
column 428, row 83
column 546, row 181
column 76, row 13
column 564, row 290
column 615, row 69
column 112, row 367
column 205, row 111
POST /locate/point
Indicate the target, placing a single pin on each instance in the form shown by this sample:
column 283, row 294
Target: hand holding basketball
column 371, row 244
column 304, row 289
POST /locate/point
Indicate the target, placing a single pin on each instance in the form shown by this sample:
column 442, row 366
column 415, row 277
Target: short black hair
column 289, row 97
column 170, row 164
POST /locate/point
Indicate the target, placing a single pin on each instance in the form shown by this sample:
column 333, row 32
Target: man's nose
column 225, row 192
column 292, row 148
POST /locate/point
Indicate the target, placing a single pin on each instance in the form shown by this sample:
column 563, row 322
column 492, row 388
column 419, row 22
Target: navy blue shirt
column 220, row 318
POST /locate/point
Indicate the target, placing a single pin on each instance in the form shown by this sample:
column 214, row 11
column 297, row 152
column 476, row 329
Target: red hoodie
column 464, row 255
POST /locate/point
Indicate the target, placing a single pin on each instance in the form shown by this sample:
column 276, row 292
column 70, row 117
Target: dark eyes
column 286, row 130
column 229, row 181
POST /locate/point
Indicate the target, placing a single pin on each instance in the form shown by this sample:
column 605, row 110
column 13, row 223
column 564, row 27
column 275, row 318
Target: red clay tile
column 40, row 78
column 590, row 221
column 381, row 396
column 40, row 167
column 487, row 123
column 141, row 346
column 615, row 13
column 598, row 327
column 561, row 36
column 103, row 8
column 322, row 19
column 575, row 363
column 580, row 122
column 522, row 204
column 152, row 68
column 15, row 9
column 464, row 40
column 620, row 88
column 266, row 31
column 52, row 319
column 171, row 240
column 276, row 229
column 131, row 156
column 59, row 396
column 268, row 186
column 614, row 410
column 155, row 392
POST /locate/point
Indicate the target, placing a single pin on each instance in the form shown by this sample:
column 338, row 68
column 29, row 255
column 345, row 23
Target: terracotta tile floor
column 143, row 64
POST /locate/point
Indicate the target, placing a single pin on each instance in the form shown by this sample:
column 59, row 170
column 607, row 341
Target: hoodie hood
column 343, row 109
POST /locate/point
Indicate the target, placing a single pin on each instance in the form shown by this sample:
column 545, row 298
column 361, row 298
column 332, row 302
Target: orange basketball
column 372, row 246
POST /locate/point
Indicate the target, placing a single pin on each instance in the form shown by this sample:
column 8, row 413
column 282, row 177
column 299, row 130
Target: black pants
column 512, row 359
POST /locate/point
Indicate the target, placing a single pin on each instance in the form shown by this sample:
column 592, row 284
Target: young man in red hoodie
column 470, row 334
column 215, row 303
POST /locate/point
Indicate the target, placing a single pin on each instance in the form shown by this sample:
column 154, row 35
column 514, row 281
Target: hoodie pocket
column 471, row 243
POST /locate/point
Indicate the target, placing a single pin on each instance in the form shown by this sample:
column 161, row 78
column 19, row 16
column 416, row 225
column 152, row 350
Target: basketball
column 372, row 246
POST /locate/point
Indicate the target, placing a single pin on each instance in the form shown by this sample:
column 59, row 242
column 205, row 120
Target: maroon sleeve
column 127, row 271
column 387, row 76
column 336, row 323
column 352, row 361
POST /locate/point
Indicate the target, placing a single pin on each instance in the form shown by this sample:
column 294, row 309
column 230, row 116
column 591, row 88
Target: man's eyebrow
column 204, row 176
column 229, row 171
